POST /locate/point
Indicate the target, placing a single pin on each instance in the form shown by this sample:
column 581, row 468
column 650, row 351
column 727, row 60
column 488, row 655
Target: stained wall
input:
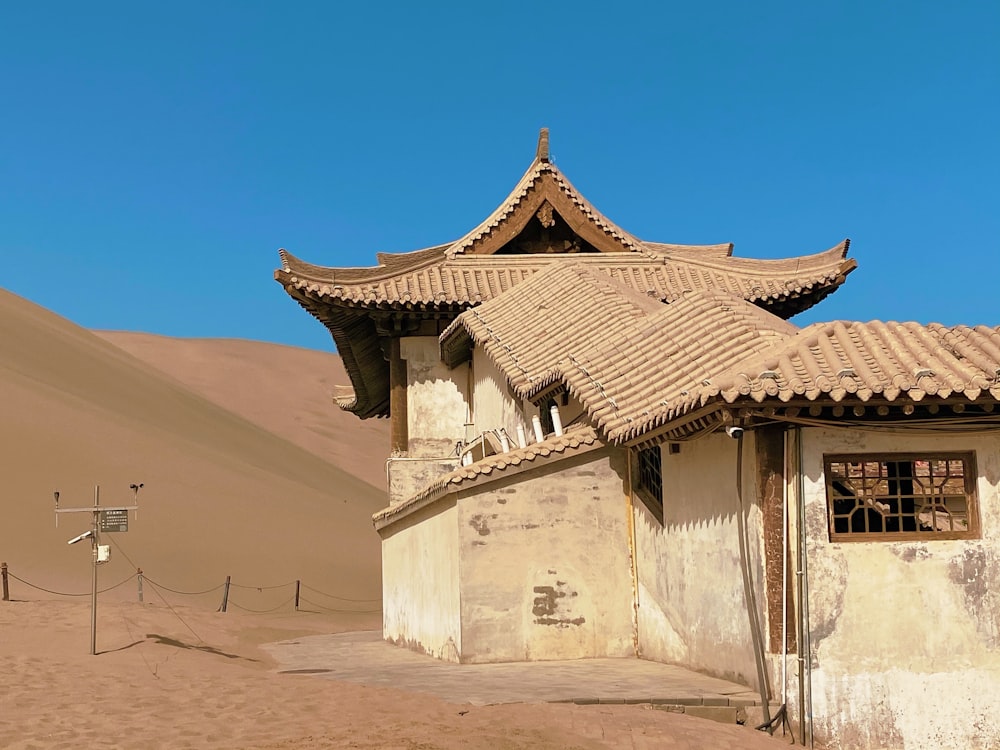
column 544, row 560
column 691, row 608
column 420, row 582
column 905, row 635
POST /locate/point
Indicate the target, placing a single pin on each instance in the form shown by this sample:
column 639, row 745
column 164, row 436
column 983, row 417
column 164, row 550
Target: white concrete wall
column 420, row 583
column 545, row 564
column 905, row 635
column 436, row 398
column 691, row 602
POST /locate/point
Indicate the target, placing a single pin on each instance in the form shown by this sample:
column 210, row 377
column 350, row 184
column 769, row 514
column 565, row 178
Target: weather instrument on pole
column 104, row 519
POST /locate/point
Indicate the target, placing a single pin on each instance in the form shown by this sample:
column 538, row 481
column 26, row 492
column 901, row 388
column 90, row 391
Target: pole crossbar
column 95, row 543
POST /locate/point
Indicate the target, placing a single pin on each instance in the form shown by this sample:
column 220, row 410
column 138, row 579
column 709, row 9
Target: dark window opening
column 649, row 480
column 545, row 415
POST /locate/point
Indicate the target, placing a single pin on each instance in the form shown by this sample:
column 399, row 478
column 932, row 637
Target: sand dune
column 284, row 389
column 222, row 496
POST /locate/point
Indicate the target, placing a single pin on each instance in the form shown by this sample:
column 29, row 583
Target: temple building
column 606, row 446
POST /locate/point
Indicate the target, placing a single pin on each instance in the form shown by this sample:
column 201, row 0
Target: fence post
column 6, row 591
column 298, row 584
column 225, row 595
column 139, row 579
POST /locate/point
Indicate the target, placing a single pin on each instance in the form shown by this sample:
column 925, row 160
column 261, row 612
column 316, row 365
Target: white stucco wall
column 420, row 582
column 905, row 635
column 493, row 404
column 691, row 607
column 545, row 569
column 436, row 398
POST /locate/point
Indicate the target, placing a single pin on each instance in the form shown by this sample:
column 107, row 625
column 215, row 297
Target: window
column 898, row 496
column 545, row 414
column 648, row 480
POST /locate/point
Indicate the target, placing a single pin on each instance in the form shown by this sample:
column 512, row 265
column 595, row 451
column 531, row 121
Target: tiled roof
column 623, row 355
column 844, row 359
column 636, row 364
column 534, row 180
column 440, row 282
column 791, row 284
column 574, row 441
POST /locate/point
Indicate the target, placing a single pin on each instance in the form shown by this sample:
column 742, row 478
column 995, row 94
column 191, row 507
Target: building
column 603, row 446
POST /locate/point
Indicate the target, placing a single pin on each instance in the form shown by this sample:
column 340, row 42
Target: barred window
column 649, row 480
column 901, row 496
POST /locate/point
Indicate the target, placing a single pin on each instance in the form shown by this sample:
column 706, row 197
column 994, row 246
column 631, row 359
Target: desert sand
column 222, row 495
column 286, row 390
column 250, row 472
column 190, row 678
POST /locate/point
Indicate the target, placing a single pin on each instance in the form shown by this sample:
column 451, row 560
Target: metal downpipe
column 751, row 600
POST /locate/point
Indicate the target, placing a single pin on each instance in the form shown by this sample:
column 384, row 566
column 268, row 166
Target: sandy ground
column 176, row 676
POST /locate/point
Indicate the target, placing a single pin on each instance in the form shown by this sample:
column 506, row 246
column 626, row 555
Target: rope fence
column 294, row 602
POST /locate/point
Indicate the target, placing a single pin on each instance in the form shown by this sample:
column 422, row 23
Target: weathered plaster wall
column 420, row 589
column 436, row 406
column 691, row 602
column 905, row 635
column 494, row 406
column 436, row 398
column 407, row 476
column 545, row 564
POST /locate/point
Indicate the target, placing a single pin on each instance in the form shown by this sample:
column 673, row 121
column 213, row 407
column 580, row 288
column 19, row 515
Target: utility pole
column 107, row 518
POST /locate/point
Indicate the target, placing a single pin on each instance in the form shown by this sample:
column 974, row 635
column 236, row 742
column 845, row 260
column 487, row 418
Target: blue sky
column 154, row 156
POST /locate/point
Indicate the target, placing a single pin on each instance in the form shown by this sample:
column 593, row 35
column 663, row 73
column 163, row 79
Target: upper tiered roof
column 544, row 221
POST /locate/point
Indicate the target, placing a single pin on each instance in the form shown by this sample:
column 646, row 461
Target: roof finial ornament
column 542, row 153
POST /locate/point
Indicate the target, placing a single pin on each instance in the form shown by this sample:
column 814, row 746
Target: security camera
column 734, row 432
column 84, row 535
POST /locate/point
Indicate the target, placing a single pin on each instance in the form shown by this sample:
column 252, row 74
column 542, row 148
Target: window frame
column 970, row 478
column 649, row 497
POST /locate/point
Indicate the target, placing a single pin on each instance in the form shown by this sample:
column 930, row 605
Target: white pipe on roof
column 536, row 424
column 556, row 420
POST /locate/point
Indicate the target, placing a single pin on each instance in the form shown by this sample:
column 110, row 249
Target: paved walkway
column 363, row 657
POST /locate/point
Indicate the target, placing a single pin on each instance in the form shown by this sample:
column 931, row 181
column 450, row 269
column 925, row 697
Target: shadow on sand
column 164, row 640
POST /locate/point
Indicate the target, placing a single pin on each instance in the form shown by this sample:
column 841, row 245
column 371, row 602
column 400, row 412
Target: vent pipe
column 556, row 420
column 536, row 424
column 522, row 441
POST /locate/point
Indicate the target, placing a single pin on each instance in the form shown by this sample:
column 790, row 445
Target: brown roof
column 891, row 360
column 636, row 364
column 623, row 355
column 576, row 440
column 789, row 285
column 443, row 280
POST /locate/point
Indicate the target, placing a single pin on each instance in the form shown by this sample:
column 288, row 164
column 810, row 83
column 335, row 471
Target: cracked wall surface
column 904, row 634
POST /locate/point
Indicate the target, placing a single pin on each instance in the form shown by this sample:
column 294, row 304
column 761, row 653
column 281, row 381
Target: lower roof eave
column 441, row 490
